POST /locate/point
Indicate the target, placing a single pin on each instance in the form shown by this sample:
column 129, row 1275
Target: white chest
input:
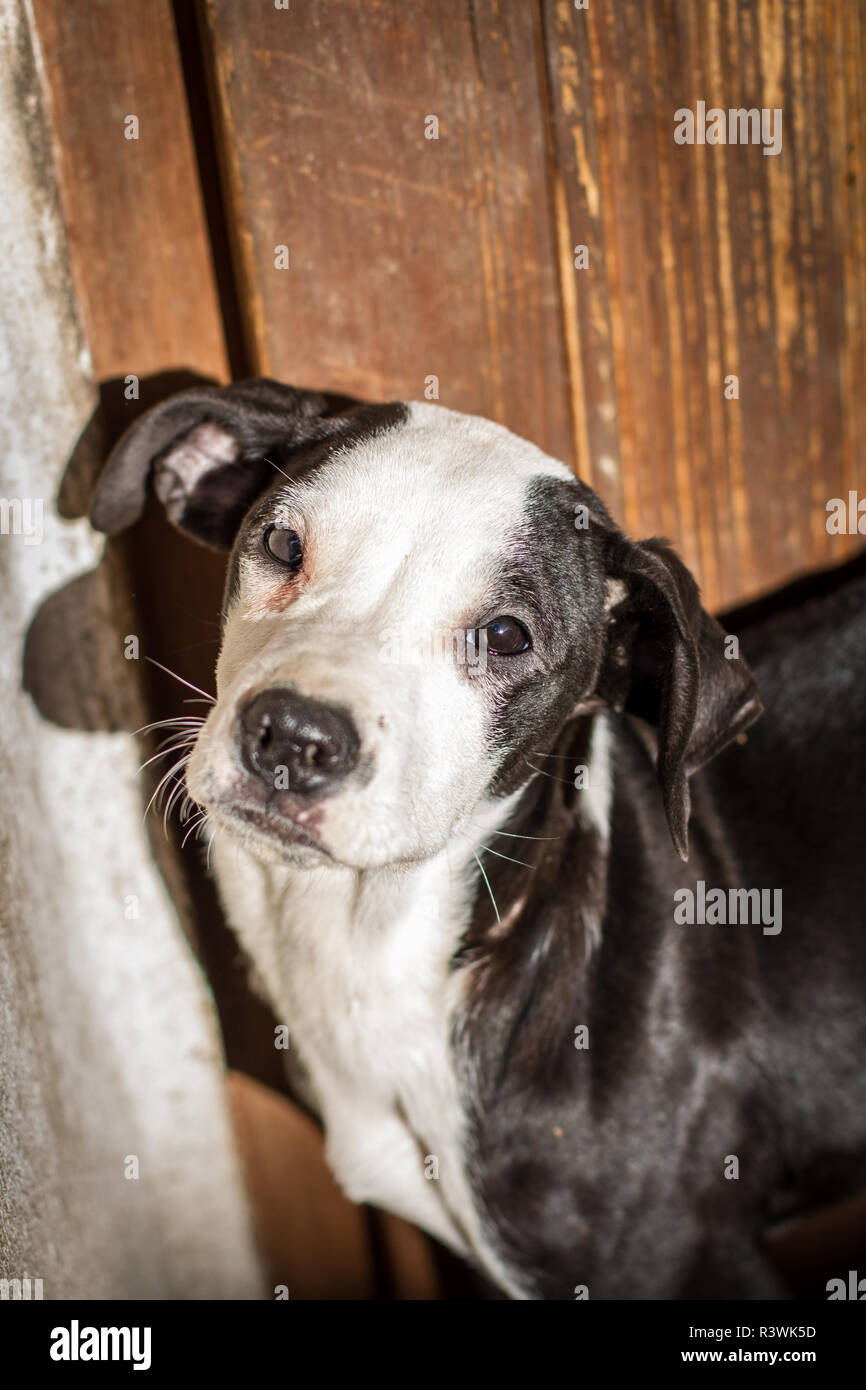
column 359, row 973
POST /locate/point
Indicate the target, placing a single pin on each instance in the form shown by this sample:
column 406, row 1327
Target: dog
column 462, row 870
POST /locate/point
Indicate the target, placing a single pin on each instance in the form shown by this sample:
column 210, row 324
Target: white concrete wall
column 108, row 1039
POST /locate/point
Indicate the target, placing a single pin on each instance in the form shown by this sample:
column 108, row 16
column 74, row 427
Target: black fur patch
column 604, row 1166
column 553, row 575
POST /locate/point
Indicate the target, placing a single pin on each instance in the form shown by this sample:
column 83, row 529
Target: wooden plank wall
column 711, row 260
column 453, row 258
column 409, row 256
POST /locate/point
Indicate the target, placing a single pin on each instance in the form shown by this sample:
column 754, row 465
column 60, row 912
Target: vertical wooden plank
column 141, row 262
column 311, row 1238
column 141, row 265
column 709, row 260
column 409, row 257
column 132, row 207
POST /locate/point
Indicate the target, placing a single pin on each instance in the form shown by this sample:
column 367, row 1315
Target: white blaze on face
column 403, row 538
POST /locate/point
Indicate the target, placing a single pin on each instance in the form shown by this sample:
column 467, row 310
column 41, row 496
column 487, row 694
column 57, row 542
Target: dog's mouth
column 277, row 825
column 279, row 828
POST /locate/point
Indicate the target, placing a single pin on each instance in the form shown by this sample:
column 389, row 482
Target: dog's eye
column 284, row 546
column 507, row 637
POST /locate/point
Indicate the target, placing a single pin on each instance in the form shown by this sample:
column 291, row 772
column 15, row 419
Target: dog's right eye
column 284, row 546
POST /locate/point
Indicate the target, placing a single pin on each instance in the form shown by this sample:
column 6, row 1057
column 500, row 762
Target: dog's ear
column 666, row 662
column 211, row 451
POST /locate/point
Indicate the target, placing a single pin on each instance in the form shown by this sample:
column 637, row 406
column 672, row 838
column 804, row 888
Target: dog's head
column 417, row 602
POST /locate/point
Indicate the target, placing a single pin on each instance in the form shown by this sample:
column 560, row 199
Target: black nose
column 296, row 744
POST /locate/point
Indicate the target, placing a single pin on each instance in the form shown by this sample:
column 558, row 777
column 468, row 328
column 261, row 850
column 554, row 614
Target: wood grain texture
column 310, row 1237
column 714, row 260
column 133, row 213
column 409, row 257
column 141, row 266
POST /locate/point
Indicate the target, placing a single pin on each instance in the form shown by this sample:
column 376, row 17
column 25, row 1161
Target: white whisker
column 564, row 780
column 176, row 792
column 540, row 838
column 163, row 782
column 511, row 835
column 508, row 857
column 489, row 889
column 279, row 470
column 194, row 827
column 537, row 754
column 186, row 742
column 176, row 721
column 168, row 671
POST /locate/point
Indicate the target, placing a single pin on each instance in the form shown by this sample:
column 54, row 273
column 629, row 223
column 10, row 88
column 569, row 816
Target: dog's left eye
column 284, row 546
column 507, row 637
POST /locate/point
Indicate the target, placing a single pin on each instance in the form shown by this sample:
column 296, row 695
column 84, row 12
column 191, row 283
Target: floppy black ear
column 666, row 663
column 212, row 450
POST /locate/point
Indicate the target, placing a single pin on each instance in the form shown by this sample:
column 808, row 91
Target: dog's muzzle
column 296, row 744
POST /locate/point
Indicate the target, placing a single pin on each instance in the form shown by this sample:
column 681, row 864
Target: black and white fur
column 432, row 984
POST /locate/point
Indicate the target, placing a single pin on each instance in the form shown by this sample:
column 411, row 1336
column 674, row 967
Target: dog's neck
column 470, row 896
column 360, row 906
column 375, row 974
column 359, row 966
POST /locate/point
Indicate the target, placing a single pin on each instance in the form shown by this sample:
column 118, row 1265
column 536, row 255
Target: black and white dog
column 458, row 866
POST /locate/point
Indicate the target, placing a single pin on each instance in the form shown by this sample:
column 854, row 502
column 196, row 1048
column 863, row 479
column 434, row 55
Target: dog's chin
column 276, row 838
column 285, row 830
column 270, row 835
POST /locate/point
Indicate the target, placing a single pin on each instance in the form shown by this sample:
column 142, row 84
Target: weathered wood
column 409, row 257
column 133, row 212
column 312, row 1239
column 710, row 260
